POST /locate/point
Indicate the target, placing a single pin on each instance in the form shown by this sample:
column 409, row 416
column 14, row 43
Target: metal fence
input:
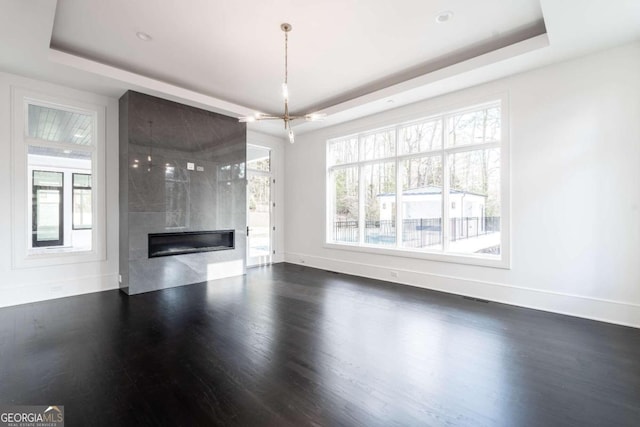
column 346, row 231
column 420, row 233
column 416, row 233
column 463, row 228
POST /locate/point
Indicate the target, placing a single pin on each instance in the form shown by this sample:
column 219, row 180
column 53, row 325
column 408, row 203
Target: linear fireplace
column 190, row 242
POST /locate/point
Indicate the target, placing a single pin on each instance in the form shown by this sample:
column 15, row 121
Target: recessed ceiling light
column 143, row 36
column 443, row 17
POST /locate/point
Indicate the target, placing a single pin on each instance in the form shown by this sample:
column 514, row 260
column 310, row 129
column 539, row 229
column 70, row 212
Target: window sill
column 466, row 259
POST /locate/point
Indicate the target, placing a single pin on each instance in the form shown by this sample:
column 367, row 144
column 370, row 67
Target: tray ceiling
column 338, row 49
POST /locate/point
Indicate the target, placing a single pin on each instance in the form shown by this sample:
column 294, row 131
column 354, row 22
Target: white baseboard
column 278, row 257
column 28, row 293
column 617, row 312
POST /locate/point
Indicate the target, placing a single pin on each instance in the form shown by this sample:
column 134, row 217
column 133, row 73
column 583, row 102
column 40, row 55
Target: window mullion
column 445, row 188
column 59, row 145
column 398, row 213
column 361, row 208
column 330, row 210
column 473, row 147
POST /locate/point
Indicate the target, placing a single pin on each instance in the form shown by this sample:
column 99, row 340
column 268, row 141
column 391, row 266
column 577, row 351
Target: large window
column 431, row 187
column 58, row 150
column 60, row 143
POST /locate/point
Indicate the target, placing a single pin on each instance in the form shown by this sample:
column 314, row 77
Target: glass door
column 259, row 206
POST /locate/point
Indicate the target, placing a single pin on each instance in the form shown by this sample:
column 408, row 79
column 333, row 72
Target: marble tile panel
column 159, row 193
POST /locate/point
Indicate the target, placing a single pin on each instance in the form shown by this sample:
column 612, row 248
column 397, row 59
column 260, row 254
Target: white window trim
column 504, row 261
column 22, row 255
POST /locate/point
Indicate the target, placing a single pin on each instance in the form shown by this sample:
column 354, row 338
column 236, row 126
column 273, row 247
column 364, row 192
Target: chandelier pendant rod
column 286, row 117
column 286, row 28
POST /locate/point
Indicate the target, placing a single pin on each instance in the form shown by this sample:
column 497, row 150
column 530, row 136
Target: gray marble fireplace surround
column 182, row 169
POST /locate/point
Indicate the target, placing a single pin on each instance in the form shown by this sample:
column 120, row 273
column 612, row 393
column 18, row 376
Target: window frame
column 24, row 255
column 397, row 123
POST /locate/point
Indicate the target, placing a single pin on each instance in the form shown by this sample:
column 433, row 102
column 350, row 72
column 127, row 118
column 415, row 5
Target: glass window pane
column 422, row 202
column 379, row 182
column 474, row 201
column 343, row 151
column 345, row 216
column 474, row 127
column 258, row 158
column 81, row 180
column 57, row 125
column 421, row 137
column 378, row 145
column 259, row 221
column 47, row 202
column 47, row 198
column 47, row 179
column 81, row 209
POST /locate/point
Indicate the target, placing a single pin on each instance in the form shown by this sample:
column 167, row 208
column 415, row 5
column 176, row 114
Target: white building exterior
column 426, row 202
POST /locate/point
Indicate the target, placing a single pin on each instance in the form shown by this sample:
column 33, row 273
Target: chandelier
column 286, row 117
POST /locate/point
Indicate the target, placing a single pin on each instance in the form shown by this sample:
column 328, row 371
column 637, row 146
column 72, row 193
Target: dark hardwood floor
column 291, row 345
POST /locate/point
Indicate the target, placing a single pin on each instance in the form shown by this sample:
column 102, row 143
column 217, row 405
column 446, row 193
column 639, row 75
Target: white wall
column 575, row 184
column 22, row 285
column 277, row 146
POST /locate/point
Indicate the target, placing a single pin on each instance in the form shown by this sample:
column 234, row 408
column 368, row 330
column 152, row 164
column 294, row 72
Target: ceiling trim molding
column 149, row 85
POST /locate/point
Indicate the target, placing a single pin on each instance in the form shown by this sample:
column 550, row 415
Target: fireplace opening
column 190, row 242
